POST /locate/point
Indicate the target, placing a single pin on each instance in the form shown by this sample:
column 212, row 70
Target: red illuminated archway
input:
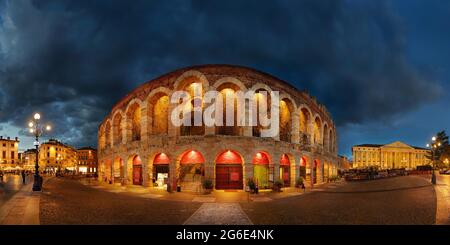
column 229, row 157
column 229, row 172
column 261, row 158
column 285, row 170
column 137, row 170
column 161, row 158
column 192, row 157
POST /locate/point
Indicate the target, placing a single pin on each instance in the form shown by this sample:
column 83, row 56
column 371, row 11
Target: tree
column 439, row 146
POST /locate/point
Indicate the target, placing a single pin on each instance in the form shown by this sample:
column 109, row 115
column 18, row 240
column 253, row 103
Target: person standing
column 23, row 177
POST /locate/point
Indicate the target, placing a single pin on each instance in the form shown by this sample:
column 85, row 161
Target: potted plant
column 277, row 185
column 251, row 184
column 299, row 182
column 207, row 185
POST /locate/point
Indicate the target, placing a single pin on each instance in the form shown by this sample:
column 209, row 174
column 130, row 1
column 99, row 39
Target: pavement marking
column 116, row 191
column 261, row 199
column 204, row 199
column 149, row 195
column 219, row 214
column 295, row 193
column 318, row 189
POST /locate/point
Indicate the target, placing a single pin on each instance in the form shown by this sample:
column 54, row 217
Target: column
column 144, row 122
column 295, row 131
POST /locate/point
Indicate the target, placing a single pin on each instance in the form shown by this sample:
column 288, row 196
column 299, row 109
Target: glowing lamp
column 37, row 116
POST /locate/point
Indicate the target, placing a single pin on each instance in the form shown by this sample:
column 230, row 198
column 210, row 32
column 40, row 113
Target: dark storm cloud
column 72, row 60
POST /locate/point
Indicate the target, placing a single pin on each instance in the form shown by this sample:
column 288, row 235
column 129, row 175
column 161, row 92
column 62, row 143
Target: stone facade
column 138, row 130
column 389, row 156
column 87, row 160
column 55, row 155
column 9, row 152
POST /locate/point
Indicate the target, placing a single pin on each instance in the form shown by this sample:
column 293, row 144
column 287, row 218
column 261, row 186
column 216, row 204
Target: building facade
column 54, row 155
column 389, row 156
column 87, row 160
column 9, row 152
column 29, row 159
column 139, row 145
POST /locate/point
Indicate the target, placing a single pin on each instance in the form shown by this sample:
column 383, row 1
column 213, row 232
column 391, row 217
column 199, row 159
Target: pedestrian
column 1, row 176
column 23, row 177
column 303, row 187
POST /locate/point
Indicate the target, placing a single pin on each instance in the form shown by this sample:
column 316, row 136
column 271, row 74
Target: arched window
column 325, row 137
column 286, row 109
column 134, row 117
column 159, row 113
column 317, row 131
column 196, row 110
column 261, row 95
column 117, row 129
column 304, row 125
column 228, row 92
column 108, row 134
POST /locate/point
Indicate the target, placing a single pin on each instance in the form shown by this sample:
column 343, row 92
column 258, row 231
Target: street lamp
column 433, row 146
column 37, row 129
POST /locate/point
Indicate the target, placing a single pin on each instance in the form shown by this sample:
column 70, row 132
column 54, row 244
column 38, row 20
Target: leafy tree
column 439, row 146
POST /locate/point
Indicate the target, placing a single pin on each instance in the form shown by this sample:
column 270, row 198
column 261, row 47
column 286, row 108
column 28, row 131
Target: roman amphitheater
column 138, row 144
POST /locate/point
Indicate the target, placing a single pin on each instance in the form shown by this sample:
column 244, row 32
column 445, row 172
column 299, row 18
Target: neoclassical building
column 139, row 144
column 389, row 156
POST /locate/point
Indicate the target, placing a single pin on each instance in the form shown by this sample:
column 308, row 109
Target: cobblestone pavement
column 400, row 200
column 219, row 214
column 10, row 185
column 443, row 197
column 66, row 201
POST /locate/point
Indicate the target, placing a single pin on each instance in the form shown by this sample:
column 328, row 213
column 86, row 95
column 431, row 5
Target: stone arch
column 287, row 169
column 228, row 91
column 119, row 169
column 331, row 141
column 229, row 170
column 305, row 117
column 133, row 115
column 317, row 130
column 158, row 104
column 179, row 82
column 287, row 108
column 134, row 169
column 303, row 166
column 108, row 133
column 262, row 169
column 117, row 129
column 101, row 137
column 325, row 137
column 188, row 82
column 191, row 170
column 260, row 96
column 231, row 80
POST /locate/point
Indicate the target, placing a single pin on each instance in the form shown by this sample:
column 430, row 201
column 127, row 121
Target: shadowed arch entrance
column 161, row 170
column 118, row 170
column 314, row 170
column 285, row 169
column 137, row 171
column 229, row 172
column 192, row 171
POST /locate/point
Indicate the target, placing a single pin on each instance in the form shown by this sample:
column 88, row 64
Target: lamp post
column 433, row 146
column 37, row 129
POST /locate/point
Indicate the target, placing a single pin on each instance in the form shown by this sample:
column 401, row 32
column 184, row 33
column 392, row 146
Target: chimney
column 8, row 138
column 17, row 139
column 1, row 137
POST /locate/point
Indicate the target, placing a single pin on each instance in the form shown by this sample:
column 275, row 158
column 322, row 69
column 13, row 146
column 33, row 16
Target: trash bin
column 178, row 188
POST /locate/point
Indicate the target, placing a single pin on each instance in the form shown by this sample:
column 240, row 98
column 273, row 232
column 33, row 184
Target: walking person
column 23, row 177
